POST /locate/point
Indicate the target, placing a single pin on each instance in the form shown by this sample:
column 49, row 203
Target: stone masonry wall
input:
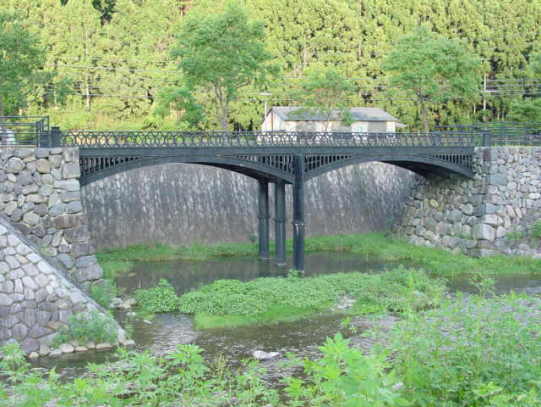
column 40, row 195
column 480, row 216
column 35, row 297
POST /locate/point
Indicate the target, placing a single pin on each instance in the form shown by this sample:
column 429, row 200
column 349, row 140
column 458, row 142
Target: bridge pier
column 280, row 222
column 263, row 219
column 298, row 214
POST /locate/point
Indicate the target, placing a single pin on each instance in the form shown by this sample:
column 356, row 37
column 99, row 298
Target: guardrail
column 124, row 139
column 23, row 130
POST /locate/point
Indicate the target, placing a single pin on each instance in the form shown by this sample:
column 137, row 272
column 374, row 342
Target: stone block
column 483, row 231
column 43, row 166
column 14, row 165
column 71, row 170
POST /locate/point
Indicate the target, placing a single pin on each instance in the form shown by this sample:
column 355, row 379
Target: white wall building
column 295, row 118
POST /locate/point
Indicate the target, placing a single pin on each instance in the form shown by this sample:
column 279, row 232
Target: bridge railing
column 23, row 130
column 505, row 133
column 125, row 139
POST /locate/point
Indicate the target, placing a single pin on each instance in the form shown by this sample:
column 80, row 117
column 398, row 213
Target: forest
column 111, row 64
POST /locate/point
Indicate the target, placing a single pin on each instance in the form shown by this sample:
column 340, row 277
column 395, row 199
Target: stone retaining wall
column 36, row 299
column 481, row 216
column 40, row 195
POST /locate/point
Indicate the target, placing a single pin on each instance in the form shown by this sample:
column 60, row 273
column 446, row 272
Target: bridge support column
column 280, row 222
column 298, row 214
column 263, row 219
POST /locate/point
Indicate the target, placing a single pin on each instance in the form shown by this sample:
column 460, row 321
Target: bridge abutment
column 40, row 195
column 493, row 213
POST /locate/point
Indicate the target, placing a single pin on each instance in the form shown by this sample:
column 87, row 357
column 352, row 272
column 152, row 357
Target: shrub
column 103, row 292
column 87, row 327
column 345, row 377
column 472, row 352
column 397, row 291
column 161, row 298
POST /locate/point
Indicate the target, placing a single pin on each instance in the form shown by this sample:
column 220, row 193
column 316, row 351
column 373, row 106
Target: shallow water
column 189, row 275
column 165, row 331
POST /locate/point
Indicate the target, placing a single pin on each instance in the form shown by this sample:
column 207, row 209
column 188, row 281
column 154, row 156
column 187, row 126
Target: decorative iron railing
column 125, row 139
column 504, row 133
column 23, row 130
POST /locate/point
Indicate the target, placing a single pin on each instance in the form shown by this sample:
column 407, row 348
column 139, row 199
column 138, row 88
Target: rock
column 127, row 304
column 262, row 355
column 33, row 355
column 104, row 346
column 15, row 165
column 484, row 232
column 81, row 349
column 67, row 348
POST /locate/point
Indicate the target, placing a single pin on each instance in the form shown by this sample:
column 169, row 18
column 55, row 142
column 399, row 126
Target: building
column 295, row 118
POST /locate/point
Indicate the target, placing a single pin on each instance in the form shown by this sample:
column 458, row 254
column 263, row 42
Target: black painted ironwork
column 263, row 219
column 280, row 222
column 24, row 130
column 274, row 157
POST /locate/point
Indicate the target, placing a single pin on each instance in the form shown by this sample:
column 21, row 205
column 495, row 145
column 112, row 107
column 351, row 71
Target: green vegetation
column 103, row 292
column 345, row 377
column 87, row 327
column 265, row 300
column 437, row 262
column 161, row 298
column 433, row 70
column 536, row 229
column 110, row 69
column 219, row 54
column 324, row 90
column 478, row 352
column 20, row 57
column 472, row 352
column 181, row 378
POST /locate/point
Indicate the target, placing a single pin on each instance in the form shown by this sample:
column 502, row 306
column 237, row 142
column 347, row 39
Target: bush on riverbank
column 264, row 300
column 472, row 352
column 87, row 327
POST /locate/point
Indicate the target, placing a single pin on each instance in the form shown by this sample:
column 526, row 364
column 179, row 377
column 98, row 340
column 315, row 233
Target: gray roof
column 365, row 114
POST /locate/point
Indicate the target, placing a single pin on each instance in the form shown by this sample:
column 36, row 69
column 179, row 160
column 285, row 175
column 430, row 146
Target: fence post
column 487, row 139
column 56, row 137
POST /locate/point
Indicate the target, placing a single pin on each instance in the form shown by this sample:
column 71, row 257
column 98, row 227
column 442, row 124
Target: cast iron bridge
column 280, row 158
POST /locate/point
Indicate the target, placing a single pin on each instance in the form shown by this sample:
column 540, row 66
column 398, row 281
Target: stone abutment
column 493, row 213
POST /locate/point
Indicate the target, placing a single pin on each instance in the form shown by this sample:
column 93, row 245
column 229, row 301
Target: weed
column 87, row 327
column 103, row 292
column 161, row 298
column 536, row 229
column 472, row 352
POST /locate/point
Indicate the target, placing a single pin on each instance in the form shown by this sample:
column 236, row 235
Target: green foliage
column 472, row 352
column 233, row 302
column 526, row 110
column 536, row 229
column 221, row 53
column 103, row 292
column 161, row 298
column 433, row 69
column 20, row 57
column 323, row 91
column 344, row 377
column 87, row 327
column 181, row 378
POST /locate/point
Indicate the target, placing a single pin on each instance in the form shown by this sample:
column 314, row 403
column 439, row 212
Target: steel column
column 280, row 222
column 263, row 219
column 298, row 214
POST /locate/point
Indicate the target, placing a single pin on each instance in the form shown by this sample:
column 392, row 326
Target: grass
column 228, row 303
column 438, row 262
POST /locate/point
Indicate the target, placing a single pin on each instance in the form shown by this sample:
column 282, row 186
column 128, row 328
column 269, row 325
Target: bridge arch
column 250, row 169
column 423, row 166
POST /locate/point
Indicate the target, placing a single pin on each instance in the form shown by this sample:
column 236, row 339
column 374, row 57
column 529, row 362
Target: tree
column 433, row 69
column 529, row 109
column 222, row 53
column 105, row 7
column 323, row 91
column 20, row 57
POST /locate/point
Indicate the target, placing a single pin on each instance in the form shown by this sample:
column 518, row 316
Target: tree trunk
column 224, row 119
column 424, row 116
